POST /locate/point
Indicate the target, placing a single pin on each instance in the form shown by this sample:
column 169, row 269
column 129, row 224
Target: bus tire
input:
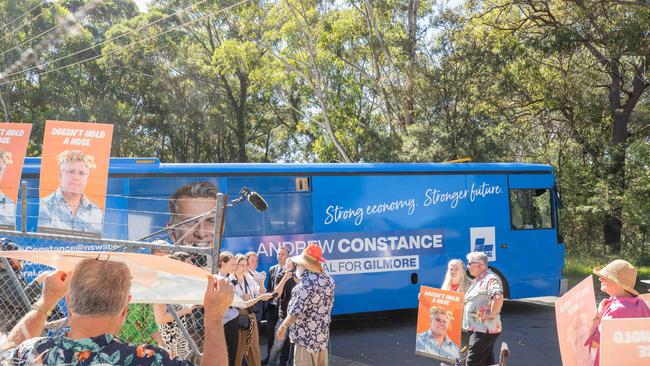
column 506, row 287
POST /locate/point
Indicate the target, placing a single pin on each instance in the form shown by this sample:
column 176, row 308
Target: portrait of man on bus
column 68, row 208
column 434, row 341
column 7, row 206
column 196, row 201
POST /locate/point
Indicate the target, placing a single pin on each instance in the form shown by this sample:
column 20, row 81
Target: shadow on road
column 388, row 338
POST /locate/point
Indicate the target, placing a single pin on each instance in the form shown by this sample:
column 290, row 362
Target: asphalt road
column 389, row 338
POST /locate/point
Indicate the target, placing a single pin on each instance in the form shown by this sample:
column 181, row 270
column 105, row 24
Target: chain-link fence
column 177, row 328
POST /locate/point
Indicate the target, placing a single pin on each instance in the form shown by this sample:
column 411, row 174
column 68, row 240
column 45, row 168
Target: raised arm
column 217, row 299
column 163, row 316
column 55, row 287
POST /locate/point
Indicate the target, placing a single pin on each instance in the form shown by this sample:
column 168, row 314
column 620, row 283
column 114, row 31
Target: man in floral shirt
column 483, row 301
column 98, row 302
column 310, row 309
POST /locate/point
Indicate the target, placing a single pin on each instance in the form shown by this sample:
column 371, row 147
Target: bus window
column 530, row 209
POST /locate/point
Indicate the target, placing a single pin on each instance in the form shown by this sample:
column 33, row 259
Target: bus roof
column 153, row 166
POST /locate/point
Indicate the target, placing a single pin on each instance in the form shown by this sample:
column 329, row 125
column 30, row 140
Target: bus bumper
column 564, row 285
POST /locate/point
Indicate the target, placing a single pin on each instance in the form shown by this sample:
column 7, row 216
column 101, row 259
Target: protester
column 481, row 313
column 272, row 306
column 226, row 265
column 260, row 279
column 617, row 279
column 170, row 331
column 98, row 302
column 7, row 206
column 247, row 289
column 455, row 278
column 68, row 208
column 310, row 308
column 281, row 347
column 435, row 340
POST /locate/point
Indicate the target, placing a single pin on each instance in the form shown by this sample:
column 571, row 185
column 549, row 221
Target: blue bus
column 385, row 229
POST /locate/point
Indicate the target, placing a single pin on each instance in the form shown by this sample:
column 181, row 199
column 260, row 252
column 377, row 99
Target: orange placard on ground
column 14, row 138
column 74, row 175
column 440, row 316
column 574, row 314
column 625, row 342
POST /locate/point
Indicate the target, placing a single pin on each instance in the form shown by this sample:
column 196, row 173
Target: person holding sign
column 456, row 278
column 435, row 340
column 617, row 280
column 483, row 301
column 68, row 208
column 7, row 206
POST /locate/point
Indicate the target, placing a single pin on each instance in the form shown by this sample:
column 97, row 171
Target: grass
column 577, row 267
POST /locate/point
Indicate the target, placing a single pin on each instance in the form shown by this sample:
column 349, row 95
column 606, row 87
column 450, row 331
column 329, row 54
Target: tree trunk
column 5, row 108
column 411, row 48
column 615, row 169
column 613, row 223
column 241, row 117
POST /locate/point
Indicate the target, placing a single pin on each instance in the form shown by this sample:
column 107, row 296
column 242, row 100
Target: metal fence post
column 183, row 329
column 23, row 202
column 219, row 220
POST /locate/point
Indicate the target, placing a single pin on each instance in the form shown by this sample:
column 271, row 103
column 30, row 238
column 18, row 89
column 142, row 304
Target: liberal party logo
column 482, row 239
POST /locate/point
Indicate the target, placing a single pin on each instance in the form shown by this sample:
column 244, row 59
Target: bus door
column 533, row 235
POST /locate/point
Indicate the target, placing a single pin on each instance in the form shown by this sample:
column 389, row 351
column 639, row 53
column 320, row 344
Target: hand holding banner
column 154, row 279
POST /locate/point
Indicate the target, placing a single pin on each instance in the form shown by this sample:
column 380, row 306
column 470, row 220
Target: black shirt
column 286, row 294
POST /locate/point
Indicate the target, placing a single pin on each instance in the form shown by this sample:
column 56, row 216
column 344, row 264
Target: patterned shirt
column 311, row 302
column 477, row 303
column 7, row 211
column 105, row 349
column 55, row 213
column 427, row 344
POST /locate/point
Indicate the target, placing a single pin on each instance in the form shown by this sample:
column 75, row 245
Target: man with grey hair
column 98, row 301
column 481, row 319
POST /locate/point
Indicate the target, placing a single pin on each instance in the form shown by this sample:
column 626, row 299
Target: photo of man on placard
column 435, row 341
column 68, row 208
column 7, row 206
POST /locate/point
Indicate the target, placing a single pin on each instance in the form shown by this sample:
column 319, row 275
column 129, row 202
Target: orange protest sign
column 574, row 313
column 14, row 138
column 625, row 342
column 74, row 175
column 440, row 316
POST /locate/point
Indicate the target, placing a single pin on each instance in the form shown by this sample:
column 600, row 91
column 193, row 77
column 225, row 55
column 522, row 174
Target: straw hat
column 620, row 272
column 310, row 258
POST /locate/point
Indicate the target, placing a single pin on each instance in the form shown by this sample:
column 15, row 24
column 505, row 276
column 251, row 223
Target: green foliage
column 554, row 82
